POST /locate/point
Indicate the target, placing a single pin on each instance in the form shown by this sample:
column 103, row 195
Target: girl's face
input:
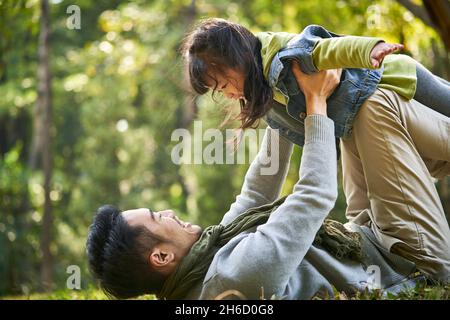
column 231, row 84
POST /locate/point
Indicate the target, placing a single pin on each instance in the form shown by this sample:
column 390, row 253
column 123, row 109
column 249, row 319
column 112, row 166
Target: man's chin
column 193, row 229
column 196, row 229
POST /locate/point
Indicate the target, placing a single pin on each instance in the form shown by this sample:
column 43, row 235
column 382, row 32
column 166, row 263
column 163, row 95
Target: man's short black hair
column 118, row 255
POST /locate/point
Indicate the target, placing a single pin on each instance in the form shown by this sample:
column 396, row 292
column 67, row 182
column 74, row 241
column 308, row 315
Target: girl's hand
column 381, row 50
column 317, row 87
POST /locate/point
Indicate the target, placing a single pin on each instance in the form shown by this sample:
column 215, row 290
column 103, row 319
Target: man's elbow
column 333, row 196
column 326, row 199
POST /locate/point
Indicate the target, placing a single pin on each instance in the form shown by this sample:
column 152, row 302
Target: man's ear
column 160, row 258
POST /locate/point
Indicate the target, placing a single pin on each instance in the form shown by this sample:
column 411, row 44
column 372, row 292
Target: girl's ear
column 159, row 258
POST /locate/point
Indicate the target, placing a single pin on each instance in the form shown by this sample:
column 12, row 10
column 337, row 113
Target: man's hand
column 317, row 87
column 381, row 50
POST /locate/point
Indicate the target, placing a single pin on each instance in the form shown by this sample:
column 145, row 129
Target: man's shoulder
column 220, row 274
column 222, row 257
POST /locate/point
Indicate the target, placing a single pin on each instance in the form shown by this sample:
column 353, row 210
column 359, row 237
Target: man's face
column 166, row 225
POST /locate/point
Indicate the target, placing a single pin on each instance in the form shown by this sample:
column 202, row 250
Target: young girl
column 396, row 145
column 255, row 69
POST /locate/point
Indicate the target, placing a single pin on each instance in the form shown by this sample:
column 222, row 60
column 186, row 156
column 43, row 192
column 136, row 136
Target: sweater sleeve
column 265, row 176
column 344, row 52
column 268, row 257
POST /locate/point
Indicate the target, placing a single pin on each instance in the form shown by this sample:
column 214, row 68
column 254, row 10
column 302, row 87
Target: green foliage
column 422, row 291
column 90, row 293
column 16, row 238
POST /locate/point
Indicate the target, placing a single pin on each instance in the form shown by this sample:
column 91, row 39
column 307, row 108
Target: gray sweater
column 279, row 258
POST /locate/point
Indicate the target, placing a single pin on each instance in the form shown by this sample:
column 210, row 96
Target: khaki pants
column 396, row 147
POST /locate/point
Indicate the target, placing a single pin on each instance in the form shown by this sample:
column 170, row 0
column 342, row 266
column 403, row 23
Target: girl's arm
column 351, row 52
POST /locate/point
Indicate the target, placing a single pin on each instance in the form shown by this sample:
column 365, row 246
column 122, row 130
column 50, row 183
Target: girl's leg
column 432, row 91
column 353, row 182
column 447, row 83
column 396, row 146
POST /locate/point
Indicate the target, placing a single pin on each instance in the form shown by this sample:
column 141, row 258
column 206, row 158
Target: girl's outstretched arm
column 351, row 52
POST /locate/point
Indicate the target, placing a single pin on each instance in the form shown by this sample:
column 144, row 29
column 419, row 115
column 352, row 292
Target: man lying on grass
column 261, row 248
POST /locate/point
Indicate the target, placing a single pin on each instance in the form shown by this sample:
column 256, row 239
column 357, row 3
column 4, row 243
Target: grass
column 86, row 294
column 421, row 292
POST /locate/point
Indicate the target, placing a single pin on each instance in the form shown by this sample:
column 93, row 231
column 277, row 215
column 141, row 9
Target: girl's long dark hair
column 217, row 45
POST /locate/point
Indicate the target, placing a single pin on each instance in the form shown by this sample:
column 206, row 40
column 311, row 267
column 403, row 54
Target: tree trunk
column 434, row 13
column 42, row 130
column 189, row 109
column 419, row 11
column 439, row 12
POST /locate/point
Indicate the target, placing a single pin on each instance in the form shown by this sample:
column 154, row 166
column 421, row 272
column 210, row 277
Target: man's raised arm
column 268, row 257
column 261, row 186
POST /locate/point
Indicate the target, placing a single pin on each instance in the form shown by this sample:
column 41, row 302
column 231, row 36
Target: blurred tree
column 41, row 149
